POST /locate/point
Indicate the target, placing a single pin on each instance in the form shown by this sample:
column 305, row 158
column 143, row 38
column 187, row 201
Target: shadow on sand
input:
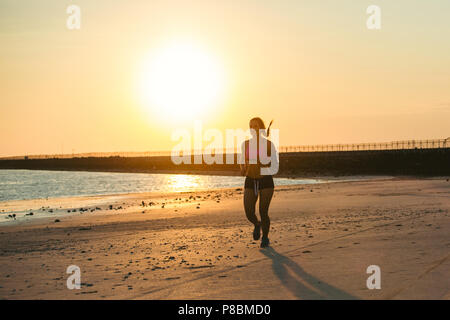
column 303, row 286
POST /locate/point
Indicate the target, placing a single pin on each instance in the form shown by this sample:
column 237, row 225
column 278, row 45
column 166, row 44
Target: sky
column 312, row 66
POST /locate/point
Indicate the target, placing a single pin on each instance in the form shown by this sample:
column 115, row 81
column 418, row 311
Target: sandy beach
column 199, row 245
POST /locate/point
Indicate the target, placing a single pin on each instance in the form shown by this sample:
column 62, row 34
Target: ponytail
column 268, row 128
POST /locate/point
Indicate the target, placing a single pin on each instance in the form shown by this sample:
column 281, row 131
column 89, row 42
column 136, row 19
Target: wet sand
column 199, row 245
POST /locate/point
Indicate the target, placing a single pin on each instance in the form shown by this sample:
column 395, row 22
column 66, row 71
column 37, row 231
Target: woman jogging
column 259, row 161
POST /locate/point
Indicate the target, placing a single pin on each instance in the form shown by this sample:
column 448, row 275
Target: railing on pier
column 393, row 145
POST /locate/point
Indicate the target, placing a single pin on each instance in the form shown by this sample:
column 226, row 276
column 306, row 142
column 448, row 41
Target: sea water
column 41, row 184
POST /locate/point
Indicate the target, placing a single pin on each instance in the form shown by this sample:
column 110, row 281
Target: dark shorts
column 265, row 182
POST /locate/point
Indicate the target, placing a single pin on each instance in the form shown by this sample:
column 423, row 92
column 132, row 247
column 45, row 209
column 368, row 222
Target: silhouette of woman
column 258, row 162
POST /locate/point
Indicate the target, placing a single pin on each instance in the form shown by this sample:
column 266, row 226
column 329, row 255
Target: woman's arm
column 242, row 162
column 243, row 170
column 274, row 162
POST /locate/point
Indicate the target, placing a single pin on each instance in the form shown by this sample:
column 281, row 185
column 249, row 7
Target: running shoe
column 265, row 242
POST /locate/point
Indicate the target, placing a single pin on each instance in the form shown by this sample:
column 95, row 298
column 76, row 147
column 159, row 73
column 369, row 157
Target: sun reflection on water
column 183, row 182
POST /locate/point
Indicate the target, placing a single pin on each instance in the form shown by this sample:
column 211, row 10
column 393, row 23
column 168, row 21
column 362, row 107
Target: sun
column 182, row 81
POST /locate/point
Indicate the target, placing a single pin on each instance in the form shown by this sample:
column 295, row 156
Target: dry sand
column 200, row 246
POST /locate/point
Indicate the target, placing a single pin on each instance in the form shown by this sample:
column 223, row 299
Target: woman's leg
column 264, row 203
column 249, row 205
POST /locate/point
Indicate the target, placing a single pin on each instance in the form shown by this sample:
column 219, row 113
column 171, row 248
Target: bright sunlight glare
column 181, row 81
